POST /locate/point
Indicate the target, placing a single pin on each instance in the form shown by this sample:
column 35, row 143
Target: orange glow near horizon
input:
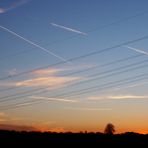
column 45, row 128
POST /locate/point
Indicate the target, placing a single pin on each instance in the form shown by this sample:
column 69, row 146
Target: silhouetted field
column 27, row 139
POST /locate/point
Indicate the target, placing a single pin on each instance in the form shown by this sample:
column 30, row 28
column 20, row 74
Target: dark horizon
column 17, row 139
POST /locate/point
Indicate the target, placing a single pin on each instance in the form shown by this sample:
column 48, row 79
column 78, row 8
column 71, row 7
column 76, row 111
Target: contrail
column 34, row 44
column 137, row 50
column 68, row 29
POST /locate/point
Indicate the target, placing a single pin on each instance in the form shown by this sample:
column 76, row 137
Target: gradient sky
column 74, row 64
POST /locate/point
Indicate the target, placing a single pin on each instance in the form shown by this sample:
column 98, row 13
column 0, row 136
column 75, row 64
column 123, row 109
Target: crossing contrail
column 137, row 50
column 68, row 29
column 34, row 44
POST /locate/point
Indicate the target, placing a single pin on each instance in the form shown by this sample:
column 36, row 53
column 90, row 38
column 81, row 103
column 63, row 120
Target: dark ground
column 37, row 139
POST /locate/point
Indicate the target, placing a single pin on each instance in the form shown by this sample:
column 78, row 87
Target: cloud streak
column 48, row 71
column 17, row 127
column 45, row 78
column 137, row 50
column 53, row 99
column 2, row 117
column 117, row 97
column 14, row 5
column 51, row 81
column 89, row 109
column 68, row 29
column 34, row 44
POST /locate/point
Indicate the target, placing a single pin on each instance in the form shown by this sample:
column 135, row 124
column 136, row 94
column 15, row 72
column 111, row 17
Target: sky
column 74, row 65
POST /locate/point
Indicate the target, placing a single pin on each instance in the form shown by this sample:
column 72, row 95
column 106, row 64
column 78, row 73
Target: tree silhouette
column 109, row 129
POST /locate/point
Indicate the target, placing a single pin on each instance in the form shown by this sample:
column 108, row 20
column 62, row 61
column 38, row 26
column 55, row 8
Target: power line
column 6, row 98
column 95, row 76
column 78, row 57
column 95, row 88
column 33, row 43
column 91, row 80
column 91, row 30
column 103, row 26
column 18, row 105
column 88, row 69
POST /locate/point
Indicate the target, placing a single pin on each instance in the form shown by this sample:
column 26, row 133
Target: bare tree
column 109, row 129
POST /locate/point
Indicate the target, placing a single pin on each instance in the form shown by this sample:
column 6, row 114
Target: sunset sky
column 74, row 65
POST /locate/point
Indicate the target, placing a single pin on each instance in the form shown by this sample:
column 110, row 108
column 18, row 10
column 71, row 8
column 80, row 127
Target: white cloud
column 53, row 99
column 47, row 78
column 117, row 97
column 53, row 82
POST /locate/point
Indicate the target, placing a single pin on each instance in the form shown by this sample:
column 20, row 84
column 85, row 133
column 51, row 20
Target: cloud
column 17, row 127
column 68, row 29
column 47, row 78
column 57, row 129
column 53, row 82
column 137, row 50
column 13, row 5
column 48, row 71
column 3, row 117
column 2, row 114
column 12, row 72
column 53, row 99
column 117, row 97
column 137, row 84
column 2, row 120
column 128, row 97
column 2, row 10
column 88, row 109
column 22, row 104
column 34, row 44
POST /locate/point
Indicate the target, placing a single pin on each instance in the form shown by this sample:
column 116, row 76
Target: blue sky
column 37, row 34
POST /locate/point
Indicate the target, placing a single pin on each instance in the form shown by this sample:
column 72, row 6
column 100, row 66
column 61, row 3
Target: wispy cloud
column 48, row 71
column 129, row 86
column 137, row 50
column 12, row 72
column 117, row 97
column 68, row 29
column 128, row 97
column 47, row 78
column 17, row 127
column 2, row 10
column 88, row 109
column 137, row 84
column 2, row 114
column 14, row 5
column 3, row 117
column 57, row 129
column 52, row 82
column 34, row 44
column 53, row 99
